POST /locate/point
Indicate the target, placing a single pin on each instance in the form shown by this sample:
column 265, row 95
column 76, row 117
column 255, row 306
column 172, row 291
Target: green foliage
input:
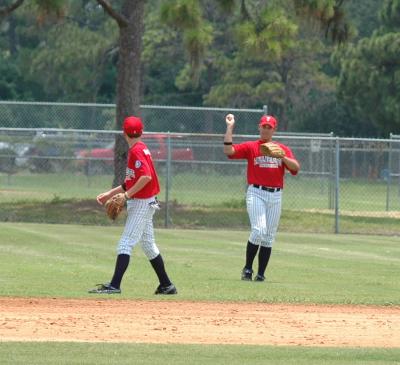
column 9, row 75
column 331, row 16
column 196, row 41
column 268, row 36
column 262, row 53
column 369, row 76
column 322, row 9
column 70, row 62
column 163, row 58
column 62, row 55
column 390, row 15
column 227, row 5
column 185, row 14
column 364, row 16
column 48, row 8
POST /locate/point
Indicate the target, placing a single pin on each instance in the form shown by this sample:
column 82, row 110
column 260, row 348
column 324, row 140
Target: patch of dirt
column 358, row 213
column 166, row 321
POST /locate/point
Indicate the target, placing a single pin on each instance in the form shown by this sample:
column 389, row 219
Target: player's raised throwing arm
column 230, row 122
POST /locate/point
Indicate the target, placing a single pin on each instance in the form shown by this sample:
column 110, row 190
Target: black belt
column 271, row 190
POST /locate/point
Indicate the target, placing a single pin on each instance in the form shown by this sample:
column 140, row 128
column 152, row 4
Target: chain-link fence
column 102, row 117
column 345, row 185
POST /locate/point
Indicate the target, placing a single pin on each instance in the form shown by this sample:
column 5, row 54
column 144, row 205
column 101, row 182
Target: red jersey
column 141, row 164
column 262, row 170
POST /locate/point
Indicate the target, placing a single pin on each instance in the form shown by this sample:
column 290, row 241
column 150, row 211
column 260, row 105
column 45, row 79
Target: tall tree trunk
column 128, row 77
column 284, row 70
column 12, row 36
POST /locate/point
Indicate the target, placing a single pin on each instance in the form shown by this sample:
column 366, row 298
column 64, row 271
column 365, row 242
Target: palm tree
column 187, row 16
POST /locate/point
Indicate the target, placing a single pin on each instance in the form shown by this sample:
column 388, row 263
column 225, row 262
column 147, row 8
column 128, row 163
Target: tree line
column 321, row 66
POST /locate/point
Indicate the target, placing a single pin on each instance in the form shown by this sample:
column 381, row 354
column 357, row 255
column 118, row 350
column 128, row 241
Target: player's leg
column 131, row 235
column 251, row 252
column 152, row 252
column 256, row 212
column 273, row 213
column 263, row 259
column 121, row 265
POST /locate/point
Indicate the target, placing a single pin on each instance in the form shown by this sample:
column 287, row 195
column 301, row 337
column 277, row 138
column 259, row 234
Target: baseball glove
column 272, row 150
column 115, row 205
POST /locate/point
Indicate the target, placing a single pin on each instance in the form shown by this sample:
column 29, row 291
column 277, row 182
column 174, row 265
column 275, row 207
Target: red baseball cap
column 268, row 120
column 133, row 125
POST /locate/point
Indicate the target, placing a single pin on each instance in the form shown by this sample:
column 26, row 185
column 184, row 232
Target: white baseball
column 230, row 119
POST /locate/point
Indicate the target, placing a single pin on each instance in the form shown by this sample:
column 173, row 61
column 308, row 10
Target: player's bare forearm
column 139, row 185
column 228, row 138
column 291, row 164
column 230, row 122
column 103, row 197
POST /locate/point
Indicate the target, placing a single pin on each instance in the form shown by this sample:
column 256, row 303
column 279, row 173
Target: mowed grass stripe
column 62, row 353
column 66, row 260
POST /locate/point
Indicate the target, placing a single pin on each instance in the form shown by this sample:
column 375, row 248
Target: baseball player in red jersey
column 140, row 188
column 265, row 177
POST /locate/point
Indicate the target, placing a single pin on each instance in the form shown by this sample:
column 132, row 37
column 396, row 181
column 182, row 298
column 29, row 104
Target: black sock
column 120, row 267
column 159, row 268
column 251, row 252
column 263, row 258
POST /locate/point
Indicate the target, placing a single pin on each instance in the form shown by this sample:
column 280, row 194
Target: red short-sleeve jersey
column 140, row 164
column 262, row 170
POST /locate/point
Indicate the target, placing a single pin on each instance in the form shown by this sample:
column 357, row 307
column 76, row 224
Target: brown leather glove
column 272, row 150
column 115, row 205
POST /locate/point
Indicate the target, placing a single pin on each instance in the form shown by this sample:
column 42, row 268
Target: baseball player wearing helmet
column 140, row 189
column 265, row 178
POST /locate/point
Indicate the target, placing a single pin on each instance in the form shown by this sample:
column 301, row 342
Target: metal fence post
column 168, row 181
column 337, row 187
column 389, row 173
column 331, row 191
column 265, row 109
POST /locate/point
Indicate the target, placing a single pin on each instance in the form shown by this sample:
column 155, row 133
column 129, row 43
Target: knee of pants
column 150, row 249
column 257, row 235
column 262, row 237
column 267, row 243
column 124, row 251
column 125, row 246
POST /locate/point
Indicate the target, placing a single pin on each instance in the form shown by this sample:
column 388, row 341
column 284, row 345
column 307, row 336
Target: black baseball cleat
column 247, row 274
column 166, row 290
column 259, row 277
column 105, row 289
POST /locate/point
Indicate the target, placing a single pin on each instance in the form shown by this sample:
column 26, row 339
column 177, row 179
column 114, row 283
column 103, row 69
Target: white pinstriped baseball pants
column 139, row 228
column 264, row 210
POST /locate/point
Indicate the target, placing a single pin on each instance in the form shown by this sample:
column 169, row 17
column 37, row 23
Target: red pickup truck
column 102, row 159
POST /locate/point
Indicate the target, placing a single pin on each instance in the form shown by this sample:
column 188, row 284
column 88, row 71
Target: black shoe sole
column 171, row 291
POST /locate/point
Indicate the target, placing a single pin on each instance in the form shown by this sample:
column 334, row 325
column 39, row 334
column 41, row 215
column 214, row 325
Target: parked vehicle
column 13, row 156
column 100, row 160
column 7, row 158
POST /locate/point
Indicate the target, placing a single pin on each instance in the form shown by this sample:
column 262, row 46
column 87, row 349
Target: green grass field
column 145, row 354
column 65, row 260
column 208, row 200
column 206, row 189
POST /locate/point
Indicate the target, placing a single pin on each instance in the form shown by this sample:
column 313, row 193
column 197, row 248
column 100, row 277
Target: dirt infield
column 166, row 321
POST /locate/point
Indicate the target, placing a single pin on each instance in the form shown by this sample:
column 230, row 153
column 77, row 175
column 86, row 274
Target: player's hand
column 230, row 120
column 102, row 198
